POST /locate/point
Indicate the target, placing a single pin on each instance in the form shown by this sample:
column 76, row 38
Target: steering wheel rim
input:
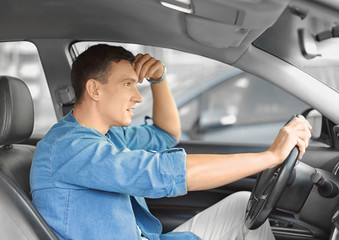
column 267, row 191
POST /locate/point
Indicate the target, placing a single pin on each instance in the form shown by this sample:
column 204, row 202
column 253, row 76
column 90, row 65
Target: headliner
column 143, row 21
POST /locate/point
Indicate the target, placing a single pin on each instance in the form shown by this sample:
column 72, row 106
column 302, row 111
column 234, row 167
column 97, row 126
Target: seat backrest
column 19, row 218
column 15, row 162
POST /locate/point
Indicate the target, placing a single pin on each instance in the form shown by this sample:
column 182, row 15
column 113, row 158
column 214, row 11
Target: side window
column 184, row 71
column 216, row 102
column 242, row 109
column 21, row 60
column 247, row 99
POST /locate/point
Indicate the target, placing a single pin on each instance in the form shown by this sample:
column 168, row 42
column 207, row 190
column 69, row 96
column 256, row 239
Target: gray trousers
column 225, row 221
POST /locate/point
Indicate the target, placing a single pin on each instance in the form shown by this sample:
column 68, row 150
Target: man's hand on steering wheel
column 289, row 146
column 295, row 133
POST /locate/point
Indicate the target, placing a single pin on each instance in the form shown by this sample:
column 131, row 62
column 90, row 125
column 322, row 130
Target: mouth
column 130, row 110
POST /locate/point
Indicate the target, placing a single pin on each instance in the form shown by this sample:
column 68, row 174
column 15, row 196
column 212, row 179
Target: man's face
column 119, row 95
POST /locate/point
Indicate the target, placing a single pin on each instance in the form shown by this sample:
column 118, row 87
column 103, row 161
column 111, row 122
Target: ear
column 92, row 89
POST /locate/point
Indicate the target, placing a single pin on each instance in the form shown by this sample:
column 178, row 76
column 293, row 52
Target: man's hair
column 96, row 63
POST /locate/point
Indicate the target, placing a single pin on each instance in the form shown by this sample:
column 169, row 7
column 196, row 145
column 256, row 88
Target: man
column 91, row 171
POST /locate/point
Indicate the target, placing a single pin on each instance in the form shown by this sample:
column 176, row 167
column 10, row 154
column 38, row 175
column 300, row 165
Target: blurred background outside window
column 21, row 60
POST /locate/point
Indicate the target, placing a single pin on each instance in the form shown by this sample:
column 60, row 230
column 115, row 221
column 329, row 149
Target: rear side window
column 21, row 60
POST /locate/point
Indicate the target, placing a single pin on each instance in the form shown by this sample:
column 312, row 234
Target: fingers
column 302, row 148
column 299, row 116
column 301, row 129
column 148, row 67
column 295, row 133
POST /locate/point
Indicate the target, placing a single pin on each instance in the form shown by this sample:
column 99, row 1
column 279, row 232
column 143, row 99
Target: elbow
column 177, row 131
column 177, row 134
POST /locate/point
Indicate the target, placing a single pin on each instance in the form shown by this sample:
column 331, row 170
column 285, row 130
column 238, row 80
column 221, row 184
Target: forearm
column 211, row 171
column 165, row 113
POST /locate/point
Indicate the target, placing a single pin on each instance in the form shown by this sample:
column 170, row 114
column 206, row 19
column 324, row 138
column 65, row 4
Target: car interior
column 280, row 41
column 20, row 220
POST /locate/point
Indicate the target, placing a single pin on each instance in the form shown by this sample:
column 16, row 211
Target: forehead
column 122, row 70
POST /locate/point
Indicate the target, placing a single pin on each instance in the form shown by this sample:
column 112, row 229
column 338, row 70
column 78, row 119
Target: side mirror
column 324, row 131
column 316, row 120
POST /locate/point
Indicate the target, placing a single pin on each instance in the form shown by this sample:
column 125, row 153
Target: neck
column 88, row 116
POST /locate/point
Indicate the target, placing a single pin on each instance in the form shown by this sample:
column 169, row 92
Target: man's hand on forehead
column 148, row 67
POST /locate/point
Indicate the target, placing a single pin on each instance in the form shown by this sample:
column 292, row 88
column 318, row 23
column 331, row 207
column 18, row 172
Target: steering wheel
column 267, row 190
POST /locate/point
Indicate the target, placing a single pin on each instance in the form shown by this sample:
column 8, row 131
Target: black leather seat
column 18, row 217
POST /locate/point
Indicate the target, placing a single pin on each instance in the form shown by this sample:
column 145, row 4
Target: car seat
column 19, row 218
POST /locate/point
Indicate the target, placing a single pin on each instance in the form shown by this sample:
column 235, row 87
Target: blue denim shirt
column 87, row 185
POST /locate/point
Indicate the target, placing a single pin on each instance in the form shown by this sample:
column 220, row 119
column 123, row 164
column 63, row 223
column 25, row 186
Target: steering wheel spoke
column 265, row 194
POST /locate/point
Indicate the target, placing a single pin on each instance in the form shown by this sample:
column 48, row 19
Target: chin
column 127, row 123
column 124, row 123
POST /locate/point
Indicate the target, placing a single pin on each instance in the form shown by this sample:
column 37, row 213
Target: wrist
column 163, row 76
column 271, row 158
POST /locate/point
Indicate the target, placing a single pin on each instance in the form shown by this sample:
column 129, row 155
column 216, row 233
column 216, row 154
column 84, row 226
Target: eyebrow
column 129, row 79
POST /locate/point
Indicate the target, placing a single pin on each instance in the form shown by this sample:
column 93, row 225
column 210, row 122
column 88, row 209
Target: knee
column 239, row 200
column 241, row 196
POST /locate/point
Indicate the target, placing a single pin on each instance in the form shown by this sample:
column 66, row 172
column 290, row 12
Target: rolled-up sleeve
column 98, row 164
column 147, row 137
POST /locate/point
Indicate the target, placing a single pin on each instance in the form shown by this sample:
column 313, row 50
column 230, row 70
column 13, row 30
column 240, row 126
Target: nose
column 137, row 98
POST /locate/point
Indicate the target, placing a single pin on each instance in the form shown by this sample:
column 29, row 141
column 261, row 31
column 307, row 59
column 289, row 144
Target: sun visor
column 216, row 11
column 226, row 24
column 214, row 34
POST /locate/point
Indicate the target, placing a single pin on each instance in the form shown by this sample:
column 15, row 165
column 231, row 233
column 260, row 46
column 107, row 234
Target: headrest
column 16, row 111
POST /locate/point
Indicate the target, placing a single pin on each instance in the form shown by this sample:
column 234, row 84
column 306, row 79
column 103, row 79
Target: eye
column 127, row 84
